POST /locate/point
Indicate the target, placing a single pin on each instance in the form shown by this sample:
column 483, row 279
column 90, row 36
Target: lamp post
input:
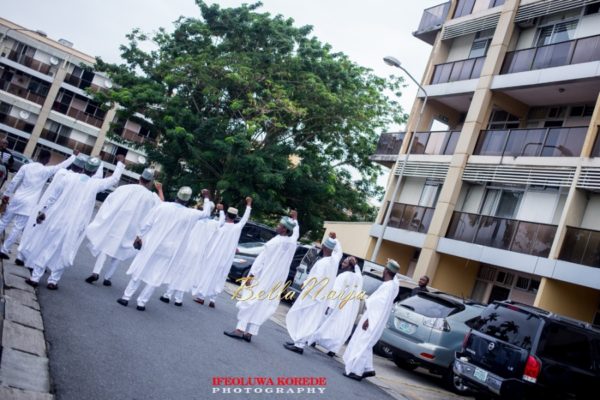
column 396, row 63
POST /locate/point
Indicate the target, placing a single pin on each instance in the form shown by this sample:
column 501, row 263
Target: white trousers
column 177, row 294
column 211, row 299
column 112, row 266
column 248, row 328
column 54, row 277
column 143, row 297
column 15, row 233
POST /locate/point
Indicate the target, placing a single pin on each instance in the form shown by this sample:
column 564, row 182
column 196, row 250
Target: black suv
column 515, row 351
column 256, row 232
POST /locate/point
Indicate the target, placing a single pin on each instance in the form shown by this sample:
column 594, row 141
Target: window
column 430, row 193
column 464, row 7
column 582, row 111
column 559, row 32
column 481, row 43
column 503, row 203
column 429, row 306
column 516, row 327
column 566, row 345
column 501, row 119
column 592, row 9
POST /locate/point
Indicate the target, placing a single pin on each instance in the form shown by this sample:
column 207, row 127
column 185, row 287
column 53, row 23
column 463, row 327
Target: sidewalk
column 400, row 384
column 24, row 373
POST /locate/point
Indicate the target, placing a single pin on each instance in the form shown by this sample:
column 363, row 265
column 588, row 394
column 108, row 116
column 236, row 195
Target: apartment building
column 45, row 101
column 499, row 187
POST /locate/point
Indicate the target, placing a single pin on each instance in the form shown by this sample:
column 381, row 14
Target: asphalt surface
column 102, row 350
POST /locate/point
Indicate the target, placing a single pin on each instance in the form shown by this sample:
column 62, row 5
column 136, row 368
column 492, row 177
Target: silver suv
column 426, row 330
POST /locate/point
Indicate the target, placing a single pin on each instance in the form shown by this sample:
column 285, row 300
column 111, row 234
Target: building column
column 59, row 77
column 110, row 116
column 568, row 299
column 476, row 119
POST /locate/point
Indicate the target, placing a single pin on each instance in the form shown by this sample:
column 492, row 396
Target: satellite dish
column 23, row 114
column 142, row 159
column 107, row 83
column 54, row 60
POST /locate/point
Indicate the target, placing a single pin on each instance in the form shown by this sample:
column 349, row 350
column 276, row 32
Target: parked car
column 256, row 232
column 19, row 160
column 247, row 253
column 518, row 351
column 427, row 329
column 101, row 196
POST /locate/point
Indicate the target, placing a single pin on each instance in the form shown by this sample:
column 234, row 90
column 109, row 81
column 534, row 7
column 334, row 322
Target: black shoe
column 234, row 334
column 352, row 375
column 92, row 278
column 247, row 337
column 141, row 308
column 290, row 343
column 164, row 299
column 20, row 262
column 123, row 302
column 331, row 354
column 4, row 256
column 293, row 348
column 178, row 303
column 368, row 374
column 313, row 345
column 211, row 304
column 52, row 286
column 31, row 283
column 107, row 282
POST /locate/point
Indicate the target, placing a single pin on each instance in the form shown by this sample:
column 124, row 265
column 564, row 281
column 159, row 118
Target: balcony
column 30, row 62
column 553, row 55
column 581, row 246
column 458, row 70
column 466, row 7
column 542, row 142
column 66, row 141
column 16, row 123
column 431, row 21
column 502, row 233
column 77, row 114
column 409, row 217
column 435, row 142
column 388, row 148
column 22, row 92
column 112, row 158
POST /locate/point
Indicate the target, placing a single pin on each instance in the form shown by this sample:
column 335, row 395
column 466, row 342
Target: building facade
column 45, row 101
column 502, row 201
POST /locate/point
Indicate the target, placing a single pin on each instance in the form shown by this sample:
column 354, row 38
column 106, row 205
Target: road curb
column 24, row 364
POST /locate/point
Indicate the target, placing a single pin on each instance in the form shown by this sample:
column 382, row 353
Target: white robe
column 162, row 232
column 26, row 187
column 68, row 205
column 337, row 327
column 308, row 311
column 192, row 253
column 358, row 357
column 219, row 257
column 270, row 268
column 117, row 222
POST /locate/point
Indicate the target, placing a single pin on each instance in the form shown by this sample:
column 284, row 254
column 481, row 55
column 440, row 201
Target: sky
column 366, row 31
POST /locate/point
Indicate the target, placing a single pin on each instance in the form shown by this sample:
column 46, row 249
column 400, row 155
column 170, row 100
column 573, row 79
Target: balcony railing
column 66, row 141
column 389, row 143
column 77, row 114
column 502, row 233
column 553, row 55
column 458, row 70
column 30, row 62
column 410, row 217
column 435, row 143
column 465, row 7
column 433, row 17
column 539, row 142
column 16, row 123
column 112, row 158
column 581, row 246
column 21, row 92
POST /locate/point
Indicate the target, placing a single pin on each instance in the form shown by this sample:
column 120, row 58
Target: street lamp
column 394, row 62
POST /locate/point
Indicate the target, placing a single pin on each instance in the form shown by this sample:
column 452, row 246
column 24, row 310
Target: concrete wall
column 354, row 236
column 567, row 299
column 455, row 275
column 401, row 253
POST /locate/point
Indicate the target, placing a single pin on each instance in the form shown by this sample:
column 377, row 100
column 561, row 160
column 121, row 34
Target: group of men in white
column 185, row 249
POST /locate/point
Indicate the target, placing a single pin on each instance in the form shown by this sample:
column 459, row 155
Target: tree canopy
column 247, row 103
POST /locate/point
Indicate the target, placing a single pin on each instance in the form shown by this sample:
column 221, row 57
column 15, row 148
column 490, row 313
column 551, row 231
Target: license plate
column 480, row 374
column 405, row 327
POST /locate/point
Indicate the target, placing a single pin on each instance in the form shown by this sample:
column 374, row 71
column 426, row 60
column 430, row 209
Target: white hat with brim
column 184, row 193
column 232, row 210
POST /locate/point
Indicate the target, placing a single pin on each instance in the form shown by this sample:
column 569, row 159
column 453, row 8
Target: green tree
column 246, row 103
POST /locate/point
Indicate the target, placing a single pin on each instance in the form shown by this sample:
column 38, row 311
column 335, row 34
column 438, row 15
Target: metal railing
column 553, row 55
column 502, row 233
column 22, row 92
column 389, row 143
column 66, row 141
column 581, row 246
column 410, row 217
column 78, row 114
column 16, row 123
column 433, row 16
column 458, row 70
column 435, row 142
column 30, row 62
column 465, row 7
column 537, row 142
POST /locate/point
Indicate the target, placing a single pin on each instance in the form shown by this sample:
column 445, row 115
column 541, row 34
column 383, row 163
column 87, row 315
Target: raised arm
column 247, row 212
column 296, row 231
column 113, row 180
column 159, row 190
column 53, row 169
column 221, row 215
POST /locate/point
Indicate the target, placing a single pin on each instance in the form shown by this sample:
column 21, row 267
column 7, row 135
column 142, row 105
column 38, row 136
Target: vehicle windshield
column 509, row 324
column 430, row 306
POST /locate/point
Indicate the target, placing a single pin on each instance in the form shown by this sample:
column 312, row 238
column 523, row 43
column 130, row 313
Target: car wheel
column 404, row 363
column 455, row 383
column 383, row 350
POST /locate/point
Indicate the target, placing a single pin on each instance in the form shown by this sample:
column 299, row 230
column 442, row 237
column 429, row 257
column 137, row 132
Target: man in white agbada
column 337, row 327
column 159, row 237
column 219, row 256
column 308, row 311
column 23, row 194
column 192, row 258
column 358, row 357
column 268, row 273
column 113, row 230
column 68, row 208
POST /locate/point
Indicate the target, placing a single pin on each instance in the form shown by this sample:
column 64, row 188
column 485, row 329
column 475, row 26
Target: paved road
column 102, row 350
